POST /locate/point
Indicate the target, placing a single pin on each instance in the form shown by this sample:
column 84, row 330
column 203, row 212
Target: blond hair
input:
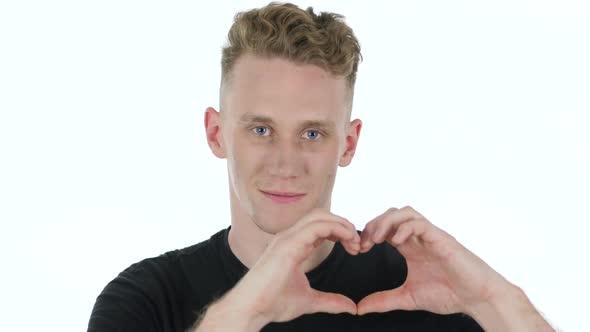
column 287, row 31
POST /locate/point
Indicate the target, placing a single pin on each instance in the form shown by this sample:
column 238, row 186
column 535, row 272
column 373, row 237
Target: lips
column 282, row 193
column 283, row 197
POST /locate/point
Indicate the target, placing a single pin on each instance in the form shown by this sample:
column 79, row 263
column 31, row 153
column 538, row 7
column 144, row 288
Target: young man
column 286, row 263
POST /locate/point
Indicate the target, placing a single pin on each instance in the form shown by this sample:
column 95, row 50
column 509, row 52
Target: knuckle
column 408, row 208
column 405, row 227
column 421, row 220
column 369, row 226
column 416, row 221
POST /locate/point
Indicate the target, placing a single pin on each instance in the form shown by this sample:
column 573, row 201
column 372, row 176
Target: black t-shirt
column 168, row 292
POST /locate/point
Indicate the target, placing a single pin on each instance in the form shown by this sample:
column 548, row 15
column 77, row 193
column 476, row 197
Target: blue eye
column 260, row 131
column 312, row 134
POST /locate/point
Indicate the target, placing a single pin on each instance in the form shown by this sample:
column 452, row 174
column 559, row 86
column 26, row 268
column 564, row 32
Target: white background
column 475, row 114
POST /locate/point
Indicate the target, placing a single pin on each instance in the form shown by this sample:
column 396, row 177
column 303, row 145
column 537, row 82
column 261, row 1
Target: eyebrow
column 256, row 118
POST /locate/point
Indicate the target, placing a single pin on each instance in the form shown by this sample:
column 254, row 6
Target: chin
column 274, row 223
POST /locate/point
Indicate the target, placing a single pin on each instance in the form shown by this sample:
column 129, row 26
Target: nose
column 286, row 160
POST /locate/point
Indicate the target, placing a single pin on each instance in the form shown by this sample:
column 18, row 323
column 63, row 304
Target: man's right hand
column 276, row 289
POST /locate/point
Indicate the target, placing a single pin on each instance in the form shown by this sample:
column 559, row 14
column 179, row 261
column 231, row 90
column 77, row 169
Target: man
column 286, row 263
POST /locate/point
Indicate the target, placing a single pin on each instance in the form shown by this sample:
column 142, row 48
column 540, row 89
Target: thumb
column 331, row 303
column 393, row 299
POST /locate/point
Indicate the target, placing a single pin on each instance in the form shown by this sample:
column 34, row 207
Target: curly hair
column 287, row 31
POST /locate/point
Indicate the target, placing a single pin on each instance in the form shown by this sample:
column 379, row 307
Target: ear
column 352, row 138
column 213, row 131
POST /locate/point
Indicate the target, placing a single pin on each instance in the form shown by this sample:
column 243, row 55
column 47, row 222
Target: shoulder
column 166, row 270
column 173, row 262
column 164, row 266
column 143, row 292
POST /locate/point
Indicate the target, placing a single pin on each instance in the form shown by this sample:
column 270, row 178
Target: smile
column 282, row 197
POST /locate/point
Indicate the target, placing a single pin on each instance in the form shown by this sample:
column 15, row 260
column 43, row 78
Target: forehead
column 277, row 87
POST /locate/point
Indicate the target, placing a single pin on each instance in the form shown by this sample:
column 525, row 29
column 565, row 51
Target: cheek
column 323, row 166
column 245, row 161
column 326, row 158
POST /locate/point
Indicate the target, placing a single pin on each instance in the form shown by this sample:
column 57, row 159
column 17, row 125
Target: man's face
column 284, row 130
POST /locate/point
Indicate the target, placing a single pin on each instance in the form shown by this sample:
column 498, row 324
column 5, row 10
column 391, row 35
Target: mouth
column 283, row 197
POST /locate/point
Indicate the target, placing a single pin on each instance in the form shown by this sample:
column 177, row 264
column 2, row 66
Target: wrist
column 507, row 310
column 490, row 311
column 229, row 315
column 242, row 315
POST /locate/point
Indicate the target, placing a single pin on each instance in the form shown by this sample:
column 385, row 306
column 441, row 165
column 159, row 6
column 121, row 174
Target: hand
column 278, row 274
column 443, row 276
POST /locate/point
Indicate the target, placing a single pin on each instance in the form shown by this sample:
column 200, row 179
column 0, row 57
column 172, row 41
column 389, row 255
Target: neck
column 247, row 241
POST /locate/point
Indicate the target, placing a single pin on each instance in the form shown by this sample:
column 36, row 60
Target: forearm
column 225, row 316
column 510, row 311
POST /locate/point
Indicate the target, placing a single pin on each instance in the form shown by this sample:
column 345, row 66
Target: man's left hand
column 443, row 276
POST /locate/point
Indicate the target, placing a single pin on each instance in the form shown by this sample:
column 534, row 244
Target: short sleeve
column 126, row 304
column 147, row 296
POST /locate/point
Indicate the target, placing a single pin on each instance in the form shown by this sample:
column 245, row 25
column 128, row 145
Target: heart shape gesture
column 443, row 276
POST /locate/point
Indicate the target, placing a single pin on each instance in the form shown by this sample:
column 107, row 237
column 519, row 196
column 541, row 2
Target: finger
column 366, row 241
column 393, row 299
column 307, row 239
column 401, row 234
column 415, row 227
column 423, row 229
column 319, row 214
column 351, row 247
column 349, row 225
column 393, row 219
column 367, row 246
column 331, row 303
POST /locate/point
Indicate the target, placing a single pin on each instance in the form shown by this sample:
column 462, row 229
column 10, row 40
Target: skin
column 445, row 277
column 286, row 155
column 280, row 242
